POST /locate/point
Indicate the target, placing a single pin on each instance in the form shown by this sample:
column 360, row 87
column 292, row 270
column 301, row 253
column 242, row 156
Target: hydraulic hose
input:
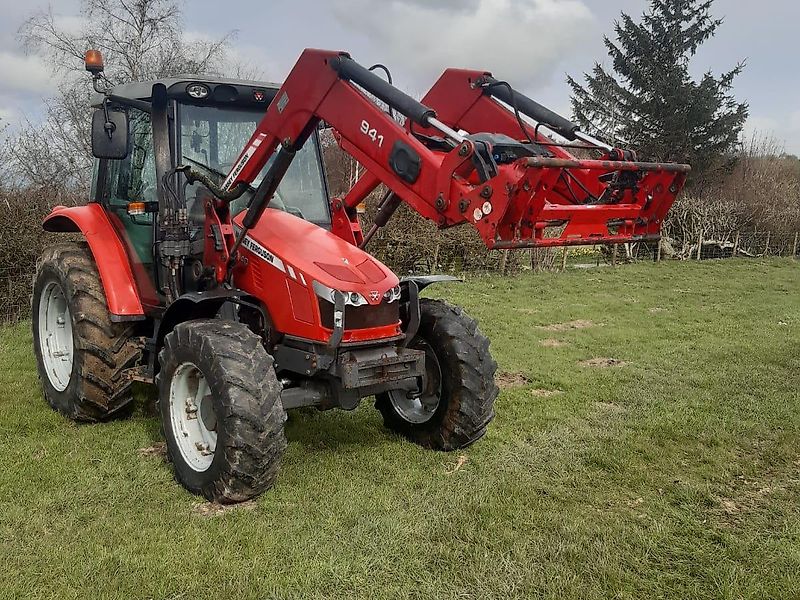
column 533, row 109
column 383, row 90
column 193, row 176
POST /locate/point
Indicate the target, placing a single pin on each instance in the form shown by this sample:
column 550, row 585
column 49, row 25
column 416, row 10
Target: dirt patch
column 507, row 380
column 543, row 393
column 462, row 460
column 636, row 502
column 158, row 450
column 579, row 324
column 212, row 509
column 552, row 343
column 602, row 362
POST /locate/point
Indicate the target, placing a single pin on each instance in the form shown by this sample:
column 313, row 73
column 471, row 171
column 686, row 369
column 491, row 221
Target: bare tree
column 757, row 189
column 140, row 40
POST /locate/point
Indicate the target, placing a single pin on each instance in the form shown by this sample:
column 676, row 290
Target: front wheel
column 221, row 410
column 456, row 404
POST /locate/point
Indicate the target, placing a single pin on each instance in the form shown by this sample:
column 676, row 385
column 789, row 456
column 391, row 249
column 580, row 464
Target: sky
column 533, row 44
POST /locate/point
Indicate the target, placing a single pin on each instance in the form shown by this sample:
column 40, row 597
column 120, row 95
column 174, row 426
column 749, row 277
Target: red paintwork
column 217, row 215
column 347, row 228
column 109, row 254
column 462, row 106
column 287, row 290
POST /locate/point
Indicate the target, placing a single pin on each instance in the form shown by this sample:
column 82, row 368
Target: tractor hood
column 307, row 253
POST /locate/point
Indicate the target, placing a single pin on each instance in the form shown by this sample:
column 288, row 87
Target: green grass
column 675, row 476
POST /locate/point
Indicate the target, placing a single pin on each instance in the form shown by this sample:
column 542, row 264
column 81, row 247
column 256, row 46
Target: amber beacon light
column 93, row 61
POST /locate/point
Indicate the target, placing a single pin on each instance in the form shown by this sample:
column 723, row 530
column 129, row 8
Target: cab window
column 211, row 138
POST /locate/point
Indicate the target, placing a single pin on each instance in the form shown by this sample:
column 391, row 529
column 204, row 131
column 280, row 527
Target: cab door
column 133, row 179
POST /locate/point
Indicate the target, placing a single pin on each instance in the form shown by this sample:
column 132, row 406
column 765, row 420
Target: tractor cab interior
column 211, row 138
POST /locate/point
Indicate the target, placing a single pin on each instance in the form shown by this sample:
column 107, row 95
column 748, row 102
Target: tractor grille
column 361, row 317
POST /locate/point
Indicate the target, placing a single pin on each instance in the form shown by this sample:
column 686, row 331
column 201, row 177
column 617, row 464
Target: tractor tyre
column 457, row 404
column 80, row 352
column 221, row 411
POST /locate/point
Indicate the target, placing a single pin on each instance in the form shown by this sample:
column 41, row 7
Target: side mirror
column 110, row 137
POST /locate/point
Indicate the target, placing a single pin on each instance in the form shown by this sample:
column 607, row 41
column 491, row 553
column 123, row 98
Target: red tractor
column 215, row 265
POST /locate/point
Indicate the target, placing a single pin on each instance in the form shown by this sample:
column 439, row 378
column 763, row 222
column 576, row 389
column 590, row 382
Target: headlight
column 329, row 294
column 354, row 299
column 392, row 294
column 197, row 90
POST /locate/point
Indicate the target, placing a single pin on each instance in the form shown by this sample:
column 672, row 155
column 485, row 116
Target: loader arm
column 512, row 197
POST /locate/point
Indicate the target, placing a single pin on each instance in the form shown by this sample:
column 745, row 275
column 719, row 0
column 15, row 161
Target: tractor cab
column 209, row 121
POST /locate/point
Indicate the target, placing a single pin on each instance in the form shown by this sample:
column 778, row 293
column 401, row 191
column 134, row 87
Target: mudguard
column 424, row 281
column 109, row 254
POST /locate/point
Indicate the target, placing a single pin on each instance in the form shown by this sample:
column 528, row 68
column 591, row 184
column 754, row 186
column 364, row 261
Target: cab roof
column 221, row 90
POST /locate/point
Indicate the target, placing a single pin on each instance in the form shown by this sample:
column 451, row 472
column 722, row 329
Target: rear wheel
column 80, row 353
column 221, row 410
column 456, row 404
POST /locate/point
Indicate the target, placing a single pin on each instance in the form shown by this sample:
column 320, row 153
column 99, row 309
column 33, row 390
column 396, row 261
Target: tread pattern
column 469, row 388
column 103, row 349
column 250, row 415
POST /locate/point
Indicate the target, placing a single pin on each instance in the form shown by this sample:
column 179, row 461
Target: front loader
column 216, row 266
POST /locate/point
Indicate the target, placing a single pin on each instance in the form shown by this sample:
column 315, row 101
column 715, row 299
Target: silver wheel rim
column 55, row 336
column 420, row 407
column 194, row 423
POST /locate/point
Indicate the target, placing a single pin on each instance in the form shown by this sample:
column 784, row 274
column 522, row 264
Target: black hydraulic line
column 267, row 188
column 382, row 89
column 383, row 68
column 386, row 70
column 595, row 200
column 166, row 226
column 569, row 188
column 197, row 176
column 263, row 195
column 389, row 204
column 163, row 156
column 514, row 106
column 541, row 114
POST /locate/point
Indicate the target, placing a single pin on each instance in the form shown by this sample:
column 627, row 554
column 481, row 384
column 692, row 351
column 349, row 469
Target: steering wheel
column 277, row 202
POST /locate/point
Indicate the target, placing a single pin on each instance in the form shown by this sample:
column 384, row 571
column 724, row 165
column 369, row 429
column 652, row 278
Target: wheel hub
column 55, row 336
column 419, row 406
column 194, row 422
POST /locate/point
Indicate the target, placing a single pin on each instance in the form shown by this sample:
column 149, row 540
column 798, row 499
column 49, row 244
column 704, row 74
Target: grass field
column 674, row 473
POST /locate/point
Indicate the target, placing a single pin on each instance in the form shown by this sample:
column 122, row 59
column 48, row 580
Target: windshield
column 212, row 138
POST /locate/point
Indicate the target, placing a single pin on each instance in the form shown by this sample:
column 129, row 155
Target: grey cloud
column 519, row 40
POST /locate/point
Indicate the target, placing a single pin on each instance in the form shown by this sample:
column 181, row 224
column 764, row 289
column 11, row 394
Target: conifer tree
column 648, row 100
